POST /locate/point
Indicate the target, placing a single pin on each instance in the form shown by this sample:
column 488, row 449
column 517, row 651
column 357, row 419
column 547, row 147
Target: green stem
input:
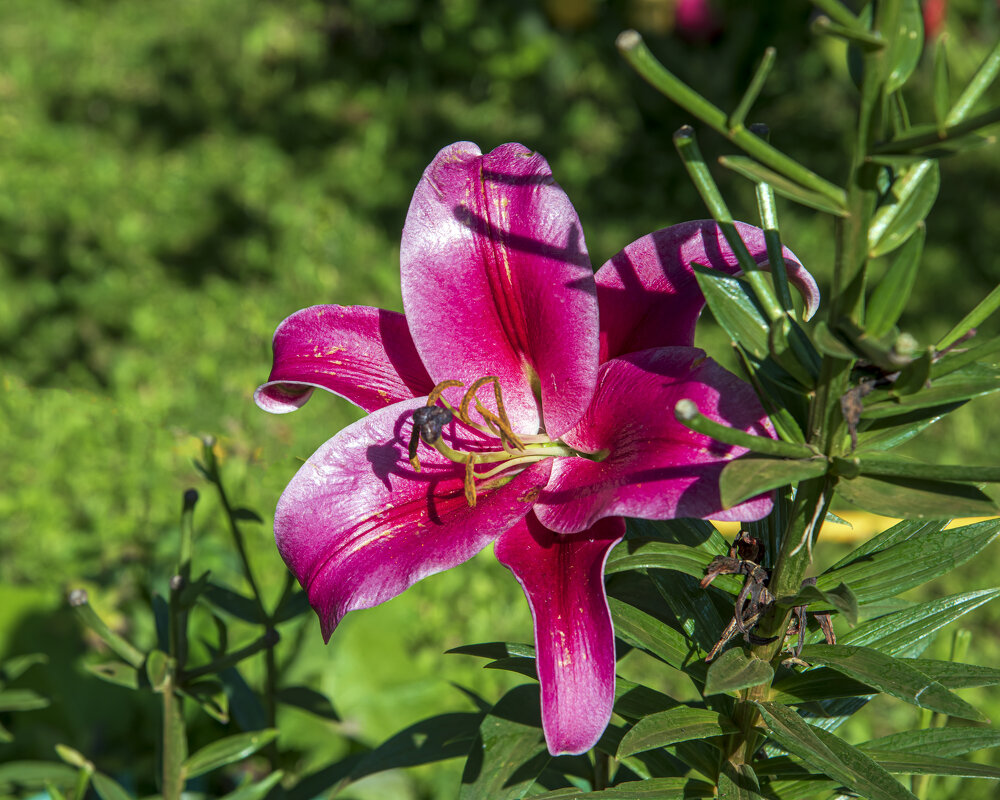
column 687, row 148
column 265, row 642
column 174, row 741
column 738, row 117
column 975, row 89
column 769, row 221
column 861, row 37
column 635, row 51
column 80, row 603
column 840, row 13
column 686, row 412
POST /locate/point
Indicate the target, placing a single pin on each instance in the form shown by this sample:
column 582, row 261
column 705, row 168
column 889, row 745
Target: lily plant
column 522, row 400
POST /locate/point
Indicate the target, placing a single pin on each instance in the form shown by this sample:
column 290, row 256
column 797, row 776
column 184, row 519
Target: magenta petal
column 648, row 293
column 655, row 467
column 496, row 281
column 357, row 525
column 563, row 578
column 361, row 353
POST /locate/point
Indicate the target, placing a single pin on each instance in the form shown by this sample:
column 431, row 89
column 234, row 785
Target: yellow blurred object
column 864, row 525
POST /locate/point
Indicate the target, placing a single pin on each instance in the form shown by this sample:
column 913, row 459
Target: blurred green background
column 177, row 176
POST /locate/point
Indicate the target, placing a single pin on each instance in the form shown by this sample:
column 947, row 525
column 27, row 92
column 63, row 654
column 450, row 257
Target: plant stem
column 174, row 741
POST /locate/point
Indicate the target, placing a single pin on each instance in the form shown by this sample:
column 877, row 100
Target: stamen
column 427, row 424
column 436, row 392
column 470, row 484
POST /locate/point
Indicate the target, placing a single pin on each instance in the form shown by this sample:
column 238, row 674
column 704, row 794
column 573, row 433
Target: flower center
column 506, row 451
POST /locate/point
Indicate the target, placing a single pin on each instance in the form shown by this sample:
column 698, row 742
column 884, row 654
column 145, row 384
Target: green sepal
column 679, row 724
column 916, row 498
column 734, row 670
column 893, row 291
column 893, row 676
column 789, row 189
column 227, row 751
column 750, row 475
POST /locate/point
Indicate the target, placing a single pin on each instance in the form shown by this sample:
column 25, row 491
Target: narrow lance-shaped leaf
column 679, row 724
column 652, row 789
column 914, row 498
column 891, row 675
column 892, row 293
column 983, row 310
column 923, row 764
column 738, row 783
column 758, row 173
column 734, row 309
column 944, row 742
column 227, row 751
column 639, row 554
column 749, row 476
column 907, row 204
column 829, row 755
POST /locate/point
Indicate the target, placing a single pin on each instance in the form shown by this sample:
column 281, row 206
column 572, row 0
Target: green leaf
column 293, row 604
column 982, row 350
column 494, row 650
column 116, row 672
column 906, row 43
column 910, row 764
column 942, row 100
column 635, row 701
column 914, row 498
column 227, row 751
column 733, row 670
column 905, row 206
column 829, row 344
column 817, row 684
column 433, row 739
column 894, row 676
column 789, row 189
column 255, row 790
column 891, row 466
column 983, row 310
column 14, row 668
column 247, row 515
column 738, row 783
column 751, row 475
column 652, row 789
column 108, row 788
column 308, row 700
column 518, row 664
column 905, row 632
column 839, row 598
column 510, row 752
column 34, row 774
column 210, row 694
column 679, row 724
column 944, row 742
column 74, row 757
column 829, row 755
column 958, row 676
column 735, row 310
column 892, row 293
column 21, row 700
column 891, row 431
column 644, row 631
column 974, row 380
column 157, row 668
column 640, row 554
column 926, row 554
column 232, row 603
column 658, row 763
column 694, row 533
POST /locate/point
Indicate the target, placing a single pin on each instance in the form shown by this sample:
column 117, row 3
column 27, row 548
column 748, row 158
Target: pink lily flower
column 522, row 400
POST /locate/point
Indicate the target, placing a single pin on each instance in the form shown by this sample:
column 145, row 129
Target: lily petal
column 563, row 578
column 648, row 293
column 357, row 525
column 363, row 354
column 655, row 468
column 497, row 281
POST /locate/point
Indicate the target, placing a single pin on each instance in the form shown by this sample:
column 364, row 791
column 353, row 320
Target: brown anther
column 470, row 484
column 438, row 390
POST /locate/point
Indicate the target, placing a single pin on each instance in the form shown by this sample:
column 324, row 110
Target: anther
column 427, row 424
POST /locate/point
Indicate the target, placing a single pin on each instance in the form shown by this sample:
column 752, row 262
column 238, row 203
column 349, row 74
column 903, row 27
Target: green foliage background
column 177, row 176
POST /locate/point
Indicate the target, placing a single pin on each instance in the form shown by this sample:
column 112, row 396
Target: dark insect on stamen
column 430, row 420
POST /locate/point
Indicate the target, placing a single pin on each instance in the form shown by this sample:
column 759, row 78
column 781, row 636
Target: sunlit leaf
column 735, row 310
column 21, row 700
column 915, row 498
column 840, row 598
column 909, row 200
column 116, row 672
column 943, row 742
column 958, row 676
column 830, row 755
column 227, row 751
column 639, row 554
column 756, row 172
column 905, row 45
column 34, row 774
column 925, row 764
column 972, row 381
column 255, row 790
column 894, row 676
column 652, row 789
column 494, row 650
column 678, row 724
column 751, row 475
